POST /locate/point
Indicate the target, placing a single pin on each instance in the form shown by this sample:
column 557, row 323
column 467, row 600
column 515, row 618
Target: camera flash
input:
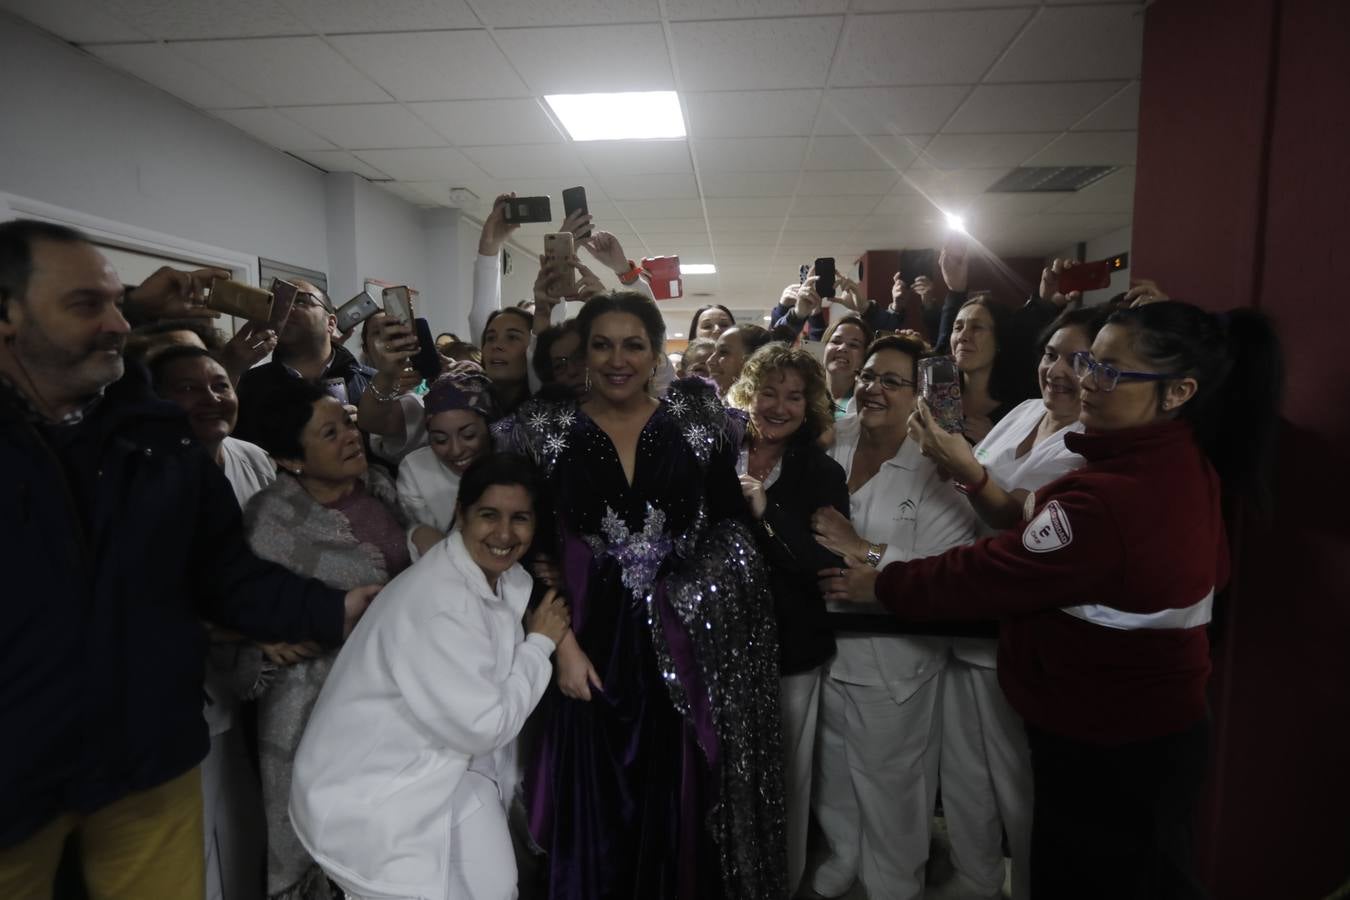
column 955, row 222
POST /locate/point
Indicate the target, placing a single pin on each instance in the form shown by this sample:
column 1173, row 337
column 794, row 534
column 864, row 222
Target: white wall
column 83, row 136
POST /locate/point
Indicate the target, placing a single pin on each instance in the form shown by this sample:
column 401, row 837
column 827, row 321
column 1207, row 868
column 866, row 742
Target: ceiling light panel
column 633, row 115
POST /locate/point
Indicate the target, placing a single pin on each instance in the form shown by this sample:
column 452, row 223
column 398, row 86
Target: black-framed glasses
column 889, row 383
column 1109, row 376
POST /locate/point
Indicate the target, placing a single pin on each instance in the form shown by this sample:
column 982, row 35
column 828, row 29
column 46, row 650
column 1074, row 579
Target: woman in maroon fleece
column 1104, row 595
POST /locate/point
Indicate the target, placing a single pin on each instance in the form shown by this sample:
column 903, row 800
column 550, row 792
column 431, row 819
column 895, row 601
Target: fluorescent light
column 678, row 334
column 955, row 222
column 698, row 269
column 636, row 115
column 767, row 318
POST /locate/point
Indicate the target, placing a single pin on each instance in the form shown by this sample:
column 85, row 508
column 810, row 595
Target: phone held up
column 398, row 304
column 559, row 248
column 825, row 277
column 524, row 210
column 1091, row 276
column 574, row 201
column 355, row 311
column 283, row 298
column 242, row 300
column 940, row 388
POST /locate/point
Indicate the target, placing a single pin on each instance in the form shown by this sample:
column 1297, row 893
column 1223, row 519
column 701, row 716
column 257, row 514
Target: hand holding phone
column 283, row 298
column 574, row 208
column 398, row 304
column 940, row 387
column 824, row 270
column 426, row 360
column 559, row 253
column 1085, row 276
column 235, row 299
column 523, row 210
column 355, row 311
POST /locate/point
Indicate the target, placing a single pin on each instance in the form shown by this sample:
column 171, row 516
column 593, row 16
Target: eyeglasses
column 1109, row 376
column 889, row 383
column 307, row 298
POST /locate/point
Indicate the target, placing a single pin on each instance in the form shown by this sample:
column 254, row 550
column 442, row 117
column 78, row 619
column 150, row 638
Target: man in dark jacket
column 306, row 348
column 120, row 536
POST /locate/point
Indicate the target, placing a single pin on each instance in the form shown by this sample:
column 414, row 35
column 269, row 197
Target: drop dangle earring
column 588, row 379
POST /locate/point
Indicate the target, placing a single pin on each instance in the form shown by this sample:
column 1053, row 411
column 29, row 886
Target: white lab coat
column 880, row 719
column 420, row 711
column 986, row 763
column 427, row 489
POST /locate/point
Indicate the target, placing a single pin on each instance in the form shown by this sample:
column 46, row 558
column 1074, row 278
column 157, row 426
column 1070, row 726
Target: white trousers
column 232, row 820
column 986, row 780
column 481, row 864
column 876, row 785
column 800, row 702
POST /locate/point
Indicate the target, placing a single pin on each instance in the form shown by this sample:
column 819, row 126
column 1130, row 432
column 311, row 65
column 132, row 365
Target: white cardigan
column 438, row 672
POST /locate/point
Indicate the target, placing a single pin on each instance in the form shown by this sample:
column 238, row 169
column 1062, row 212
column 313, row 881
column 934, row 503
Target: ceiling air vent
column 1049, row 179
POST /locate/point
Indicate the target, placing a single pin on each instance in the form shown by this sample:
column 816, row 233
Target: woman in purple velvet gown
column 657, row 770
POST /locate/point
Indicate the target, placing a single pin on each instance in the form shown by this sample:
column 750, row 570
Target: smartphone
column 559, row 248
column 426, row 360
column 337, row 389
column 520, row 210
column 1086, row 277
column 235, row 299
column 574, row 201
column 398, row 304
column 283, row 298
column 803, row 272
column 940, row 387
column 355, row 311
column 825, row 276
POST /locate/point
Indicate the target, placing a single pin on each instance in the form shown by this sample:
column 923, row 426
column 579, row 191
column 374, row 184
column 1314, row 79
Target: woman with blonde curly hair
column 786, row 477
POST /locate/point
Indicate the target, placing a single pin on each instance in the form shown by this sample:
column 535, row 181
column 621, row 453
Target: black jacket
column 258, row 382
column 120, row 536
column 808, row 480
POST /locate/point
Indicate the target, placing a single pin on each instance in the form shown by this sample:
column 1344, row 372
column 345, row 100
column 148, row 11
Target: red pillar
column 1243, row 199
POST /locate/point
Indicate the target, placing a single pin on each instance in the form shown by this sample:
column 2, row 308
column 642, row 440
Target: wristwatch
column 873, row 555
column 631, row 276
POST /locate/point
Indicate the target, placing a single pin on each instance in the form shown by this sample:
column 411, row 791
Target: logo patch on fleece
column 1048, row 531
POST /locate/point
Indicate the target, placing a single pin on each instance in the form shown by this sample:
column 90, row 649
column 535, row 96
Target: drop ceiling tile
column 516, row 13
column 561, row 60
column 1120, row 113
column 340, row 161
column 77, row 21
column 427, row 164
column 679, row 208
column 747, row 206
column 751, row 113
column 990, row 209
column 889, row 110
column 847, row 153
column 406, row 192
column 1113, row 194
column 654, row 187
column 355, row 16
column 527, row 161
column 162, row 66
column 1029, row 107
column 480, row 123
column 677, row 10
column 366, row 126
column 271, row 127
column 750, row 154
column 730, row 223
column 669, row 225
column 830, row 225
column 1089, row 148
column 819, row 185
column 835, row 204
column 440, row 65
column 748, row 184
column 902, row 5
column 759, row 53
column 286, row 71
column 924, row 48
column 962, row 151
column 635, row 157
column 1076, row 43
column 187, row 19
column 947, row 182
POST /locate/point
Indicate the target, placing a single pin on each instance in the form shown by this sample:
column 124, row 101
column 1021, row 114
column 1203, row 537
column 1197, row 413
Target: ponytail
column 1236, row 361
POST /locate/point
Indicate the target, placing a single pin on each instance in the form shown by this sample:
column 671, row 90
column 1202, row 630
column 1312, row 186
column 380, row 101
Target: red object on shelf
column 663, row 273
